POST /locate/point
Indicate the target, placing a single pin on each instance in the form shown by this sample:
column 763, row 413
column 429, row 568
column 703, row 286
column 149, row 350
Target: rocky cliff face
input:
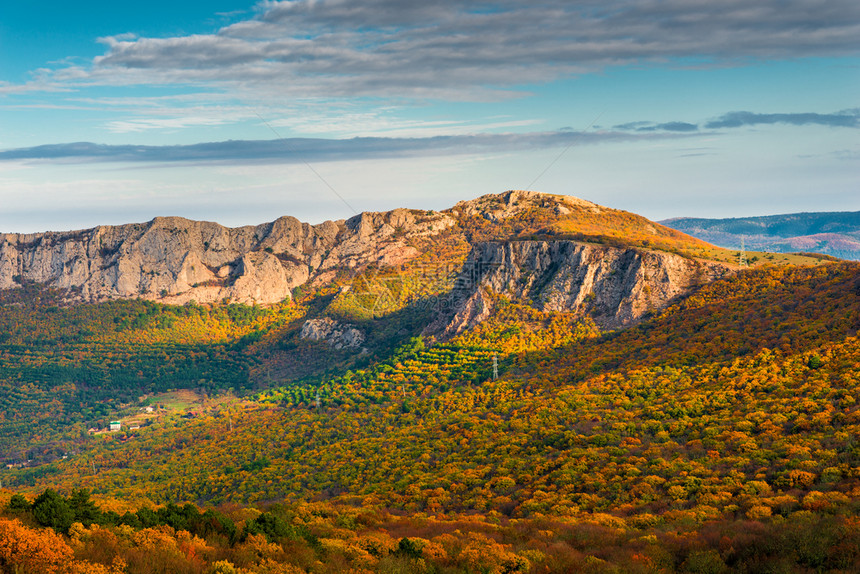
column 175, row 260
column 614, row 286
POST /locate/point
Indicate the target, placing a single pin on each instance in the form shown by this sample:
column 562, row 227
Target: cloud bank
column 468, row 50
column 299, row 150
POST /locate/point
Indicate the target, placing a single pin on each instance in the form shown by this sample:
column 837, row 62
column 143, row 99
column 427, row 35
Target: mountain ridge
column 178, row 261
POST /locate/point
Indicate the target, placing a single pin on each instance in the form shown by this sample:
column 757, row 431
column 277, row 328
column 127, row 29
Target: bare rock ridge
column 175, row 260
column 614, row 286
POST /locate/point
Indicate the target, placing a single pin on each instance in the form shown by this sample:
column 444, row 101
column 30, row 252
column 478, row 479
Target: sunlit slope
column 531, row 215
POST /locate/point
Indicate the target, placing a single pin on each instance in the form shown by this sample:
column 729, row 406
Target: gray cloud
column 634, row 126
column 845, row 119
column 293, row 150
column 298, row 150
column 465, row 50
column 682, row 127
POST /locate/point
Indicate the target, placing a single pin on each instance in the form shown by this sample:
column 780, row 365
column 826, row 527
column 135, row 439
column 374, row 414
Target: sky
column 240, row 112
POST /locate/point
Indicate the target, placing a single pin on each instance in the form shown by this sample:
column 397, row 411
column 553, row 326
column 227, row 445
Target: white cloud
column 342, row 122
column 145, row 124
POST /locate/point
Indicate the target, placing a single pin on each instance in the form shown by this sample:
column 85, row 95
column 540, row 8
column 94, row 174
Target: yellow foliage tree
column 26, row 550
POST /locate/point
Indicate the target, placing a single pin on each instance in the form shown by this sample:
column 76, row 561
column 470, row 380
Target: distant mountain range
column 830, row 233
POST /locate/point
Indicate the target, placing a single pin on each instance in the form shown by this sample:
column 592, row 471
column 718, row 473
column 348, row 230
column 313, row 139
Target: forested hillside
column 716, row 433
column 737, row 404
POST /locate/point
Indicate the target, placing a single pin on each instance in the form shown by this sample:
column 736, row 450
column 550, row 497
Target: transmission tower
column 742, row 258
column 495, row 367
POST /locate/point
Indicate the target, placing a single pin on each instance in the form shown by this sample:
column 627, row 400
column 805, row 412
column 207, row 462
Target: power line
column 564, row 151
column 309, row 166
column 375, row 241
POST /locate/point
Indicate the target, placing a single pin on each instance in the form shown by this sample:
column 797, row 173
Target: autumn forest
column 716, row 434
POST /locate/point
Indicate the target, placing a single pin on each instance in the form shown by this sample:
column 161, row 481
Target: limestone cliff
column 176, row 260
column 614, row 286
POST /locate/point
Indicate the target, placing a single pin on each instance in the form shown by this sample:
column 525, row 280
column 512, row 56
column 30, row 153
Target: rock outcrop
column 614, row 286
column 499, row 207
column 338, row 335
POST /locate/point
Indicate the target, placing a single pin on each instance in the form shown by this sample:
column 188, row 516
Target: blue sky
column 240, row 112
